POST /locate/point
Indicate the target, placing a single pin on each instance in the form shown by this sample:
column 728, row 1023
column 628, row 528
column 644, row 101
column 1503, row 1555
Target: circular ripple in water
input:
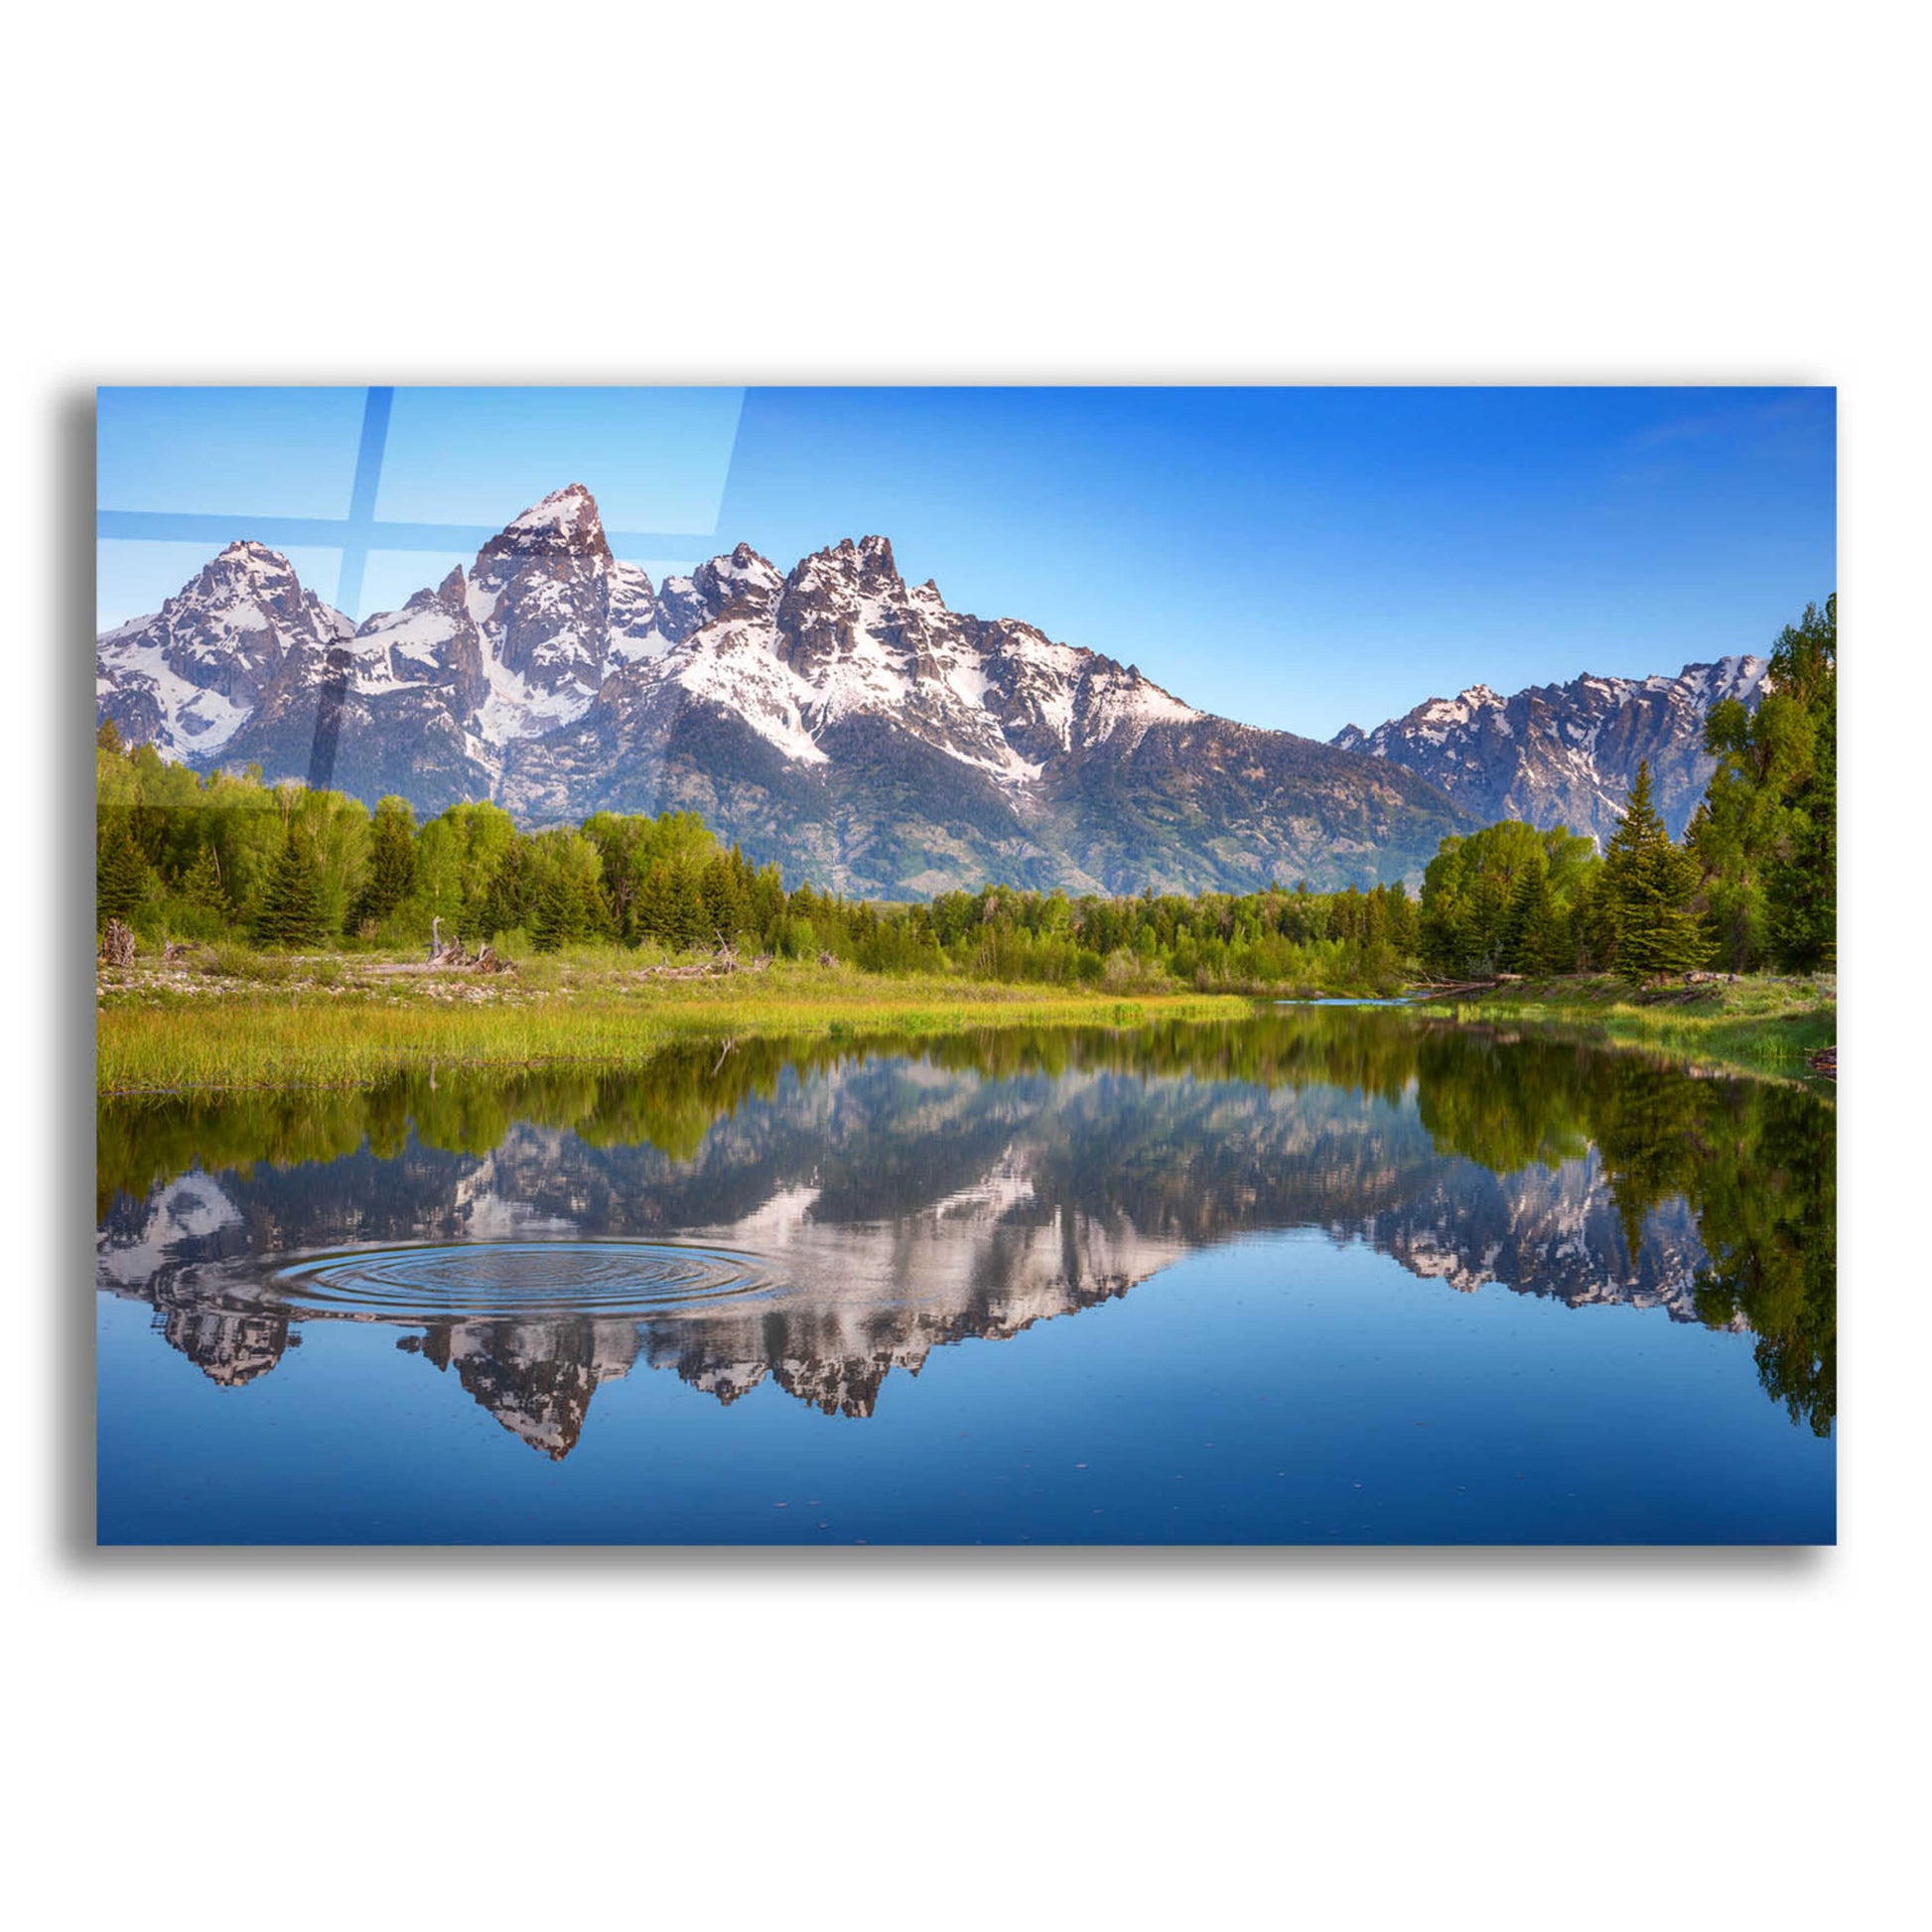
column 517, row 1279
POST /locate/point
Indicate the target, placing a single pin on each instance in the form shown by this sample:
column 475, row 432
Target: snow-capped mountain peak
column 1566, row 754
column 190, row 675
column 570, row 513
column 741, row 577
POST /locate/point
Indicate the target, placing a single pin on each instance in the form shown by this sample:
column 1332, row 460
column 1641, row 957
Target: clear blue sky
column 1295, row 558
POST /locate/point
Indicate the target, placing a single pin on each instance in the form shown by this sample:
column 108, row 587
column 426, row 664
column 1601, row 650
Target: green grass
column 329, row 1024
column 228, row 1016
column 1750, row 1023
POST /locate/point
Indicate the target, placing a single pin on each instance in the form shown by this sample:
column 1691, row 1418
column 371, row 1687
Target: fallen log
column 717, row 966
column 446, row 959
column 1456, row 989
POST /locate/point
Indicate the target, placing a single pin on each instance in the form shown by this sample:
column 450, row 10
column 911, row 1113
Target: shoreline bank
column 333, row 1019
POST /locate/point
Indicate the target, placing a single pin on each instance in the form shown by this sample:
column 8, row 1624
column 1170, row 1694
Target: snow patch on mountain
column 518, row 707
column 733, row 662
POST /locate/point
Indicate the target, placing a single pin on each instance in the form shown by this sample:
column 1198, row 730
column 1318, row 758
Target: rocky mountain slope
column 833, row 718
column 1566, row 754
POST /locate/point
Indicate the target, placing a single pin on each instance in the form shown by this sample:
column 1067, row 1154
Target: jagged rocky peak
column 557, row 539
column 190, row 675
column 247, row 577
column 434, row 640
column 1566, row 754
column 739, row 584
column 542, row 591
column 868, row 555
column 742, row 580
column 449, row 596
column 877, row 570
column 567, row 517
column 849, row 599
column 247, row 566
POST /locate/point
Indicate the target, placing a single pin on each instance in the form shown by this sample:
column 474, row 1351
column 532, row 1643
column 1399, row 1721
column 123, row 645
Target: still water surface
column 1328, row 1276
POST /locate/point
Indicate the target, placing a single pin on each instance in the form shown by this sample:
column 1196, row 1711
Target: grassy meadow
column 1758, row 1022
column 230, row 1018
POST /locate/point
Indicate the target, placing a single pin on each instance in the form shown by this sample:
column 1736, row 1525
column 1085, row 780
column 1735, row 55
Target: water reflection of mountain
column 906, row 1202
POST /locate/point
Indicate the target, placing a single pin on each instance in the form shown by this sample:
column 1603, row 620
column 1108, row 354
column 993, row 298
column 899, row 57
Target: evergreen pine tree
column 1649, row 883
column 120, row 873
column 651, row 915
column 200, row 883
column 567, row 906
column 726, row 908
column 1532, row 929
column 392, row 863
column 291, row 910
column 551, row 912
column 509, row 901
column 686, row 919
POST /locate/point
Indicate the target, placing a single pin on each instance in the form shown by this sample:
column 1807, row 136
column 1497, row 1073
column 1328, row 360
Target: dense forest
column 224, row 856
column 221, row 857
column 1752, row 886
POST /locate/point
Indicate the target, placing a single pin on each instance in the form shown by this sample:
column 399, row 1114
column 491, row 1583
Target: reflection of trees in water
column 1769, row 1206
column 1757, row 1162
column 1423, row 1135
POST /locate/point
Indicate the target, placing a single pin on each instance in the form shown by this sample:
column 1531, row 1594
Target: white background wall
column 1655, row 192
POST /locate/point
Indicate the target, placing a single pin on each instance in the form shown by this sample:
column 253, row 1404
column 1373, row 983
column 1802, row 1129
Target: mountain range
column 1566, row 754
column 847, row 724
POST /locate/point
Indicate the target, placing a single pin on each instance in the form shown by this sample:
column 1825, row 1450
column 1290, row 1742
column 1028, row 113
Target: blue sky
column 1296, row 558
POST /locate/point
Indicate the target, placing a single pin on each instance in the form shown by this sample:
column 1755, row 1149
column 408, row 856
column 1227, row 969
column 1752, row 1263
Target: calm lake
column 1326, row 1276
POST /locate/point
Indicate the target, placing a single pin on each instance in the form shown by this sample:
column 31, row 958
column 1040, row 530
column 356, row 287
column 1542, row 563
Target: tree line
column 223, row 856
column 1752, row 885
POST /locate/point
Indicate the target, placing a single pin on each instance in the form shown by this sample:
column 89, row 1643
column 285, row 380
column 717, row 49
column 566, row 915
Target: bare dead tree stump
column 116, row 946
